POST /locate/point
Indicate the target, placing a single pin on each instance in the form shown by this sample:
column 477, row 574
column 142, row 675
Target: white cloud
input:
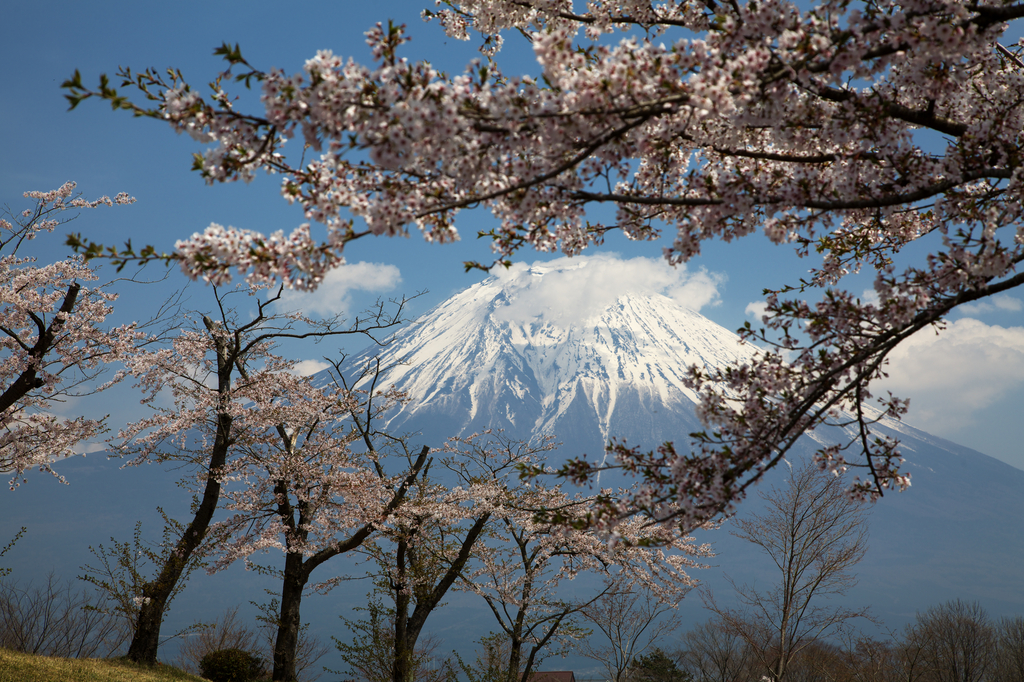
column 1001, row 302
column 86, row 448
column 952, row 376
column 572, row 289
column 697, row 290
column 334, row 295
column 756, row 309
column 305, row 368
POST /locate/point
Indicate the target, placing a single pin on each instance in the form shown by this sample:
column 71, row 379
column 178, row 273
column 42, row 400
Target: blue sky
column 965, row 385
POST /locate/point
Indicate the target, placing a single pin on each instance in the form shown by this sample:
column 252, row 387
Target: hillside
column 18, row 667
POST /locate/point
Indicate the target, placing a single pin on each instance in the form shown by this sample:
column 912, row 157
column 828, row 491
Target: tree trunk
column 401, row 666
column 156, row 593
column 286, row 646
column 515, row 654
column 146, row 641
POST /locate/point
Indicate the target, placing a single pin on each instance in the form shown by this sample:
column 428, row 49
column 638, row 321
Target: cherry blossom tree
column 519, row 571
column 422, row 554
column 480, row 532
column 848, row 129
column 205, row 388
column 305, row 491
column 370, row 655
column 522, row 570
column 53, row 344
column 429, row 543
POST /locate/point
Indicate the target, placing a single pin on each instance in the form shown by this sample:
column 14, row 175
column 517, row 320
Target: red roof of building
column 553, row 676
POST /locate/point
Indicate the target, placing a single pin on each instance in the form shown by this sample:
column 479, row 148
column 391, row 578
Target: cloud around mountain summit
column 574, row 289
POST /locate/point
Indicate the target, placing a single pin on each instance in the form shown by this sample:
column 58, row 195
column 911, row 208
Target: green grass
column 18, row 667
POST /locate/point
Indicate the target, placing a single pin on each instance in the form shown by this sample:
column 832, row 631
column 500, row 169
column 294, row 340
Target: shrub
column 55, row 619
column 232, row 665
column 227, row 632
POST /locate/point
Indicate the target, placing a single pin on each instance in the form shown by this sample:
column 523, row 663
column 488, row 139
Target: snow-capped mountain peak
column 557, row 349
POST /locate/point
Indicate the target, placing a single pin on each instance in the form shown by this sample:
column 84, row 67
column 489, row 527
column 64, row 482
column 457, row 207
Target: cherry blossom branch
column 812, row 124
column 53, row 340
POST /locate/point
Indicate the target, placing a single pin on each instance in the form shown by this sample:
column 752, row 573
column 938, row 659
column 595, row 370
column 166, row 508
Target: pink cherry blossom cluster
column 52, row 340
column 530, row 553
column 849, row 129
column 301, row 485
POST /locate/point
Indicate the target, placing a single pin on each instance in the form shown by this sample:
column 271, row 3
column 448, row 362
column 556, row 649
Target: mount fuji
column 516, row 353
column 507, row 354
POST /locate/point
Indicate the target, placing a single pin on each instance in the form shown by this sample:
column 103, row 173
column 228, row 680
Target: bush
column 55, row 619
column 232, row 665
column 227, row 632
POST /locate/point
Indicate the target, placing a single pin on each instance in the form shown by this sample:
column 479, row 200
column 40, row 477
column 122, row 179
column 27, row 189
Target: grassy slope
column 17, row 667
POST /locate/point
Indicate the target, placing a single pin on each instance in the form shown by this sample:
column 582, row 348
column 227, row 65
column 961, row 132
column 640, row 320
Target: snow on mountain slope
column 505, row 354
